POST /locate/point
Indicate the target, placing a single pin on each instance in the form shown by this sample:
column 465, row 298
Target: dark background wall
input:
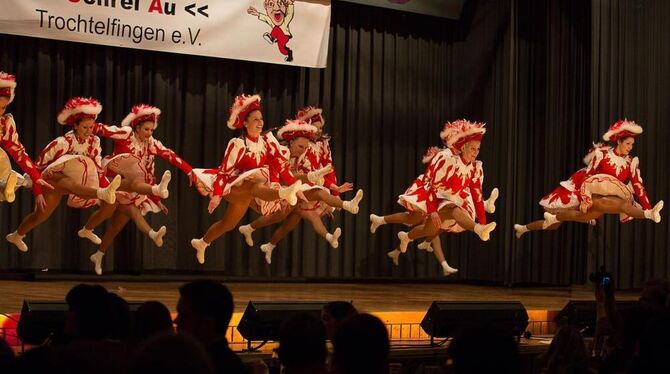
column 546, row 76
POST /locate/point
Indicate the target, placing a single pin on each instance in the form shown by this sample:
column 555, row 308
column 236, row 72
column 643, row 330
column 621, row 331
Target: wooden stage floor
column 401, row 306
column 367, row 297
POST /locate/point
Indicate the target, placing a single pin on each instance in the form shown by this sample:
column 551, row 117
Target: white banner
column 293, row 32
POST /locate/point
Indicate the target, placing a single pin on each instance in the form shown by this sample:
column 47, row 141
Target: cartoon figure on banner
column 278, row 14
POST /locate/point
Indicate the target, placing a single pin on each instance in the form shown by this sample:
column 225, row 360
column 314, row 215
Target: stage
column 400, row 305
column 368, row 297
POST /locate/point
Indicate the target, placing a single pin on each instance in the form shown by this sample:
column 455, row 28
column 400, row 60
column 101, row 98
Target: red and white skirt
column 129, row 166
column 80, row 169
column 319, row 207
column 416, row 198
column 207, row 177
column 606, row 185
column 450, row 225
column 566, row 195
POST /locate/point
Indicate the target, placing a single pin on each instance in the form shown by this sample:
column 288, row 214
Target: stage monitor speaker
column 446, row 318
column 43, row 321
column 261, row 320
column 582, row 313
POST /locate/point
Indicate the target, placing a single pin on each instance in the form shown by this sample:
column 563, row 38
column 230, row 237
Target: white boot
column 317, row 176
column 10, row 187
column 448, row 270
column 404, row 241
column 96, row 259
column 484, row 231
column 90, row 235
column 288, row 193
column 375, row 222
column 654, row 213
column 519, row 230
column 17, row 240
column 157, row 236
column 108, row 194
column 351, row 206
column 267, row 248
column 333, row 238
column 394, row 255
column 549, row 220
column 161, row 189
column 490, row 203
column 247, row 231
column 200, row 246
column 425, row 245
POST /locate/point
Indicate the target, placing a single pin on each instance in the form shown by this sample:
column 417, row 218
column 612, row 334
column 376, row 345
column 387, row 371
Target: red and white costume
column 606, row 174
column 318, row 153
column 133, row 156
column 9, row 140
column 468, row 204
column 448, row 180
column 306, row 163
column 78, row 159
column 417, row 197
column 246, row 158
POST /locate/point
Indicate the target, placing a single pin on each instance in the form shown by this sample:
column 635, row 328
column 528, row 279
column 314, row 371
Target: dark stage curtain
column 578, row 68
column 547, row 77
column 549, row 136
column 631, row 78
column 392, row 80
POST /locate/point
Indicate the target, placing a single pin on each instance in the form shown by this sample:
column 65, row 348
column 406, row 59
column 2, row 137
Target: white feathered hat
column 78, row 108
column 294, row 128
column 621, row 129
column 242, row 106
column 310, row 114
column 142, row 113
column 7, row 85
column 460, row 132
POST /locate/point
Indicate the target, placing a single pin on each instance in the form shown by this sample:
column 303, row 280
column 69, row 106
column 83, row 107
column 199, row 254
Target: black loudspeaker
column 43, row 321
column 261, row 320
column 582, row 313
column 446, row 318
